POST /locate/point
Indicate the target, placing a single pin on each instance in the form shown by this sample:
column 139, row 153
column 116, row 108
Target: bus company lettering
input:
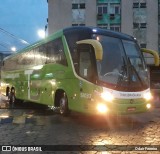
column 85, row 95
column 136, row 95
column 26, row 148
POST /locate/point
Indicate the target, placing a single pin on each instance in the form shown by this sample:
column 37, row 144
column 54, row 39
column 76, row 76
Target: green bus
column 83, row 69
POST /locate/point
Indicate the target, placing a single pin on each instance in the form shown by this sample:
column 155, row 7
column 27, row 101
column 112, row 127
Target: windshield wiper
column 123, row 76
column 135, row 72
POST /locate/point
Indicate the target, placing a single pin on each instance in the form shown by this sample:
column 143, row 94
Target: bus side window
column 39, row 54
column 42, row 54
column 50, row 53
column 55, row 52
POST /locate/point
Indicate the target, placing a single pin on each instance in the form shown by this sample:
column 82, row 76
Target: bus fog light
column 148, row 106
column 102, row 108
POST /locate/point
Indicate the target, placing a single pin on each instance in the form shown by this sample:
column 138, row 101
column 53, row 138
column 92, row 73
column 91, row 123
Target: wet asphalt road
column 28, row 124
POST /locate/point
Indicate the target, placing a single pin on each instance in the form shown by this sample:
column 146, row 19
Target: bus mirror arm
column 155, row 55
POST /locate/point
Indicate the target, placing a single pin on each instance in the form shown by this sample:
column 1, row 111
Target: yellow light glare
column 107, row 96
column 102, row 108
column 147, row 96
column 148, row 106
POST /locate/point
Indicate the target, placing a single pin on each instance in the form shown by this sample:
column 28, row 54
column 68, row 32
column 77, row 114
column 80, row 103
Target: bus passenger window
column 40, row 55
column 55, row 52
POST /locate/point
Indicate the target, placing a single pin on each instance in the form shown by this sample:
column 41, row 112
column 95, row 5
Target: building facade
column 139, row 18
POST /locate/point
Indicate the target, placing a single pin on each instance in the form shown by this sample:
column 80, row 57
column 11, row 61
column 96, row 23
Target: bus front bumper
column 123, row 107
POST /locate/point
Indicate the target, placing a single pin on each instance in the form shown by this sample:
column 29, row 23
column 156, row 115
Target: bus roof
column 101, row 31
column 91, row 30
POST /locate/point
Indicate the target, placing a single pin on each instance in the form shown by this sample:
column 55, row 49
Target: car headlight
column 107, row 96
column 147, row 96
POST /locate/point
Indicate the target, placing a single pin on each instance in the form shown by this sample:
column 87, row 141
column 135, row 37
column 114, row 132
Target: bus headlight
column 147, row 96
column 102, row 108
column 107, row 96
column 148, row 106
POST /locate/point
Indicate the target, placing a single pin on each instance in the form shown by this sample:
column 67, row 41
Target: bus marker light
column 102, row 108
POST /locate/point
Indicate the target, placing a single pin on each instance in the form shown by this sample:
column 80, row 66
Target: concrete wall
column 91, row 13
column 59, row 14
column 152, row 24
column 127, row 16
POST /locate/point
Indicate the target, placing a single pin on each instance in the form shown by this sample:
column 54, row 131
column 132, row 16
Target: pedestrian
column 12, row 97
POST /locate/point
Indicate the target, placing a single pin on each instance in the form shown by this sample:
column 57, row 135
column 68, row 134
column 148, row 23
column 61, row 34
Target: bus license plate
column 131, row 109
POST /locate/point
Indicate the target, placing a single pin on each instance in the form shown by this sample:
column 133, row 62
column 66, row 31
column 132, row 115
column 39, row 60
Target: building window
column 82, row 6
column 115, row 9
column 102, row 9
column 139, row 25
column 115, row 28
column 78, row 24
column 143, row 45
column 78, row 6
column 139, row 5
column 135, row 5
column 135, row 25
column 74, row 6
column 142, row 5
column 143, row 25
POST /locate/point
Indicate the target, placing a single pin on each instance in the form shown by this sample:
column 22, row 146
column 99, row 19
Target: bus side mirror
column 96, row 45
column 154, row 53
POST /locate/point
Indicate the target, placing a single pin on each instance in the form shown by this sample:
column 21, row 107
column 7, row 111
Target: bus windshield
column 122, row 66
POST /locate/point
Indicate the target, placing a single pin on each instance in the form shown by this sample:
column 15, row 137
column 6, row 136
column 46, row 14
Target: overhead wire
column 13, row 36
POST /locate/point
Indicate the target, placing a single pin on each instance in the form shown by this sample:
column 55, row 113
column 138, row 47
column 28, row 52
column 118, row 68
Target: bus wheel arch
column 61, row 101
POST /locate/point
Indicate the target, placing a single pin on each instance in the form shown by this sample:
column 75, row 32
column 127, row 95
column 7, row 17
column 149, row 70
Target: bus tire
column 63, row 105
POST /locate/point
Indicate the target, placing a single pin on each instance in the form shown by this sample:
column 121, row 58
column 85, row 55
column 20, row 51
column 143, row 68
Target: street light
column 41, row 33
column 13, row 49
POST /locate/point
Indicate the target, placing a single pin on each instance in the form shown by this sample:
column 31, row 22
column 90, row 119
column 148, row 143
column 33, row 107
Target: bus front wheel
column 63, row 102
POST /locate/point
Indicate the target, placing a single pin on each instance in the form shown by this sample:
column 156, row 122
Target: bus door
column 87, row 69
column 28, row 74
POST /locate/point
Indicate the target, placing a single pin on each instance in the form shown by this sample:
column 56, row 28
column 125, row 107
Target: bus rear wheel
column 63, row 108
